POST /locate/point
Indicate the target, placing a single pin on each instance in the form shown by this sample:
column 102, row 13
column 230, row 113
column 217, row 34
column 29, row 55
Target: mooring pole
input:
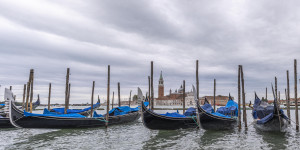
column 49, row 96
column 10, row 88
column 27, row 95
column 152, row 90
column 113, row 98
column 92, row 99
column 183, row 96
column 24, row 93
column 266, row 93
column 31, row 89
column 296, row 97
column 215, row 94
column 149, row 91
column 239, row 98
column 197, row 79
column 288, row 96
column 197, row 85
column 108, row 88
column 243, row 98
column 276, row 96
column 119, row 96
column 67, row 90
column 129, row 98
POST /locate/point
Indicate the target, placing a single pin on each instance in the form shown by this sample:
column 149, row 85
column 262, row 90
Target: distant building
column 176, row 97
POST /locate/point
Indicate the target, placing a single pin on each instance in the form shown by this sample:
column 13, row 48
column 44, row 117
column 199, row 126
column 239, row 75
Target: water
column 136, row 136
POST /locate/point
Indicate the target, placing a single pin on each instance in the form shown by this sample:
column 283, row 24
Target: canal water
column 136, row 136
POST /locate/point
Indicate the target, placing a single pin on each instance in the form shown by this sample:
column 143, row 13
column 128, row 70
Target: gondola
column 84, row 112
column 22, row 119
column 156, row 121
column 210, row 120
column 267, row 117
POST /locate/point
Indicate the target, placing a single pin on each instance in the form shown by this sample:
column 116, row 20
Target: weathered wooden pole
column 266, row 93
column 129, row 98
column 49, row 96
column 113, row 98
column 239, row 98
column 92, row 99
column 31, row 89
column 152, row 90
column 197, row 79
column 296, row 97
column 27, row 95
column 24, row 94
column 108, row 90
column 215, row 94
column 197, row 86
column 149, row 91
column 243, row 98
column 67, row 90
column 183, row 96
column 119, row 95
column 276, row 96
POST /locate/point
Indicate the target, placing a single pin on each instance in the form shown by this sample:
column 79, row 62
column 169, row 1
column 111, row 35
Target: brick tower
column 161, row 86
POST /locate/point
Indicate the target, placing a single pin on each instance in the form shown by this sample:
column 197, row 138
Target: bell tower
column 161, row 86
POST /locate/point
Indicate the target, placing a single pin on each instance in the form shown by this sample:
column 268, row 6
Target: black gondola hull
column 275, row 124
column 212, row 122
column 155, row 121
column 18, row 119
column 5, row 123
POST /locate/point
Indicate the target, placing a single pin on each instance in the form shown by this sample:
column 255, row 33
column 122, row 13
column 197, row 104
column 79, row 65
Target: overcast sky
column 50, row 36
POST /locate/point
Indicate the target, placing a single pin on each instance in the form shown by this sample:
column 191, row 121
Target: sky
column 87, row 36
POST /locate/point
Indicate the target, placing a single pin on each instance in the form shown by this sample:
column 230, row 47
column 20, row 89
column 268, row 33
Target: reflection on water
column 136, row 136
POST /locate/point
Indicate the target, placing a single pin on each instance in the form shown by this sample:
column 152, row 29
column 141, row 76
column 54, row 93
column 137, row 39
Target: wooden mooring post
column 197, row 85
column 92, row 100
column 129, row 98
column 296, row 97
column 49, row 96
column 149, row 89
column 113, row 98
column 119, row 95
column 27, row 95
column 67, row 90
column 266, row 93
column 31, row 89
column 183, row 96
column 24, row 94
column 243, row 98
column 152, row 90
column 239, row 98
column 107, row 101
column 215, row 94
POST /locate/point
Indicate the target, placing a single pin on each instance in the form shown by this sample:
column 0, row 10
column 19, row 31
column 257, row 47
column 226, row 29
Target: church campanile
column 161, row 86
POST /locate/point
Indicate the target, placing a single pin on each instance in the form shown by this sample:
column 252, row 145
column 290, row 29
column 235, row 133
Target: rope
column 195, row 121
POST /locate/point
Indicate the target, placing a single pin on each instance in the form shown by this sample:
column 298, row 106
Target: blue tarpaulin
column 174, row 114
column 95, row 115
column 231, row 109
column 122, row 110
column 190, row 112
column 208, row 108
column 265, row 119
column 146, row 103
column 51, row 114
column 2, row 104
column 73, row 111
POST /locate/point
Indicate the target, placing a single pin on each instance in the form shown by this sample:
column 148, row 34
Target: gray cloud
column 50, row 36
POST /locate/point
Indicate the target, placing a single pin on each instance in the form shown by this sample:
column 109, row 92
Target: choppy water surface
column 136, row 136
